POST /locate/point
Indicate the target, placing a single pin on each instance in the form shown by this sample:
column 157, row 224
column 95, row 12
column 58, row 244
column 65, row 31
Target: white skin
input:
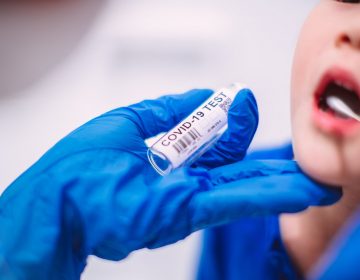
column 36, row 35
column 330, row 38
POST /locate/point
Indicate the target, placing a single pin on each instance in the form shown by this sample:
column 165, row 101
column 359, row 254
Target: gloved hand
column 95, row 193
column 342, row 260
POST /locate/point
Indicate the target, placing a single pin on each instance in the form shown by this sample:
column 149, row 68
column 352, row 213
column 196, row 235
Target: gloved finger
column 341, row 260
column 160, row 115
column 242, row 124
column 265, row 195
column 251, row 169
column 284, row 151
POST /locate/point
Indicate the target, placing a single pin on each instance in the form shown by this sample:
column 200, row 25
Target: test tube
column 193, row 136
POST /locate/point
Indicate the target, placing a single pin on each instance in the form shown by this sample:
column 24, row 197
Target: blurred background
column 64, row 62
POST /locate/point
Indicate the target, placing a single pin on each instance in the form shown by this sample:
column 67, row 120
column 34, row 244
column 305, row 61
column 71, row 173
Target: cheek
column 318, row 154
column 324, row 157
column 306, row 63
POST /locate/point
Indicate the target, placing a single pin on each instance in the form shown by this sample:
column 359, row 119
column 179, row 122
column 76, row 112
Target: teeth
column 345, row 85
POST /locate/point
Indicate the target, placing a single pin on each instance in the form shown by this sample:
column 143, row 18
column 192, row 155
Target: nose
column 349, row 38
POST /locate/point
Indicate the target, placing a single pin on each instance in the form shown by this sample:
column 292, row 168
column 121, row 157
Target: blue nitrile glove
column 342, row 260
column 95, row 193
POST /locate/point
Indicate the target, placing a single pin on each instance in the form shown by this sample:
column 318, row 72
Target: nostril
column 348, row 40
column 343, row 39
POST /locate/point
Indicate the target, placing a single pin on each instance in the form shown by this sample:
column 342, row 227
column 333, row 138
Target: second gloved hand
column 95, row 192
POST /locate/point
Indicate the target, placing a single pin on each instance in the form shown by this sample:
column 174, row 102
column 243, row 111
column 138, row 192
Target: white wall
column 143, row 49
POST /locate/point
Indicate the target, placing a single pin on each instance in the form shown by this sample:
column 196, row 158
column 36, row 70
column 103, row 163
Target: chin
column 320, row 163
column 326, row 158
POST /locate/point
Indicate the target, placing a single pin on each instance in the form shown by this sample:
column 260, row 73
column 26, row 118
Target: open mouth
column 342, row 86
column 346, row 93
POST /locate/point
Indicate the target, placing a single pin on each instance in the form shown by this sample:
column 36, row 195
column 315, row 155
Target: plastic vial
column 192, row 137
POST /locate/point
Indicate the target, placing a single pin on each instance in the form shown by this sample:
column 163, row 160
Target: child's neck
column 308, row 234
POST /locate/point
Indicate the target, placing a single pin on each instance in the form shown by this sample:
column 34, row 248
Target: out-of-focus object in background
column 35, row 35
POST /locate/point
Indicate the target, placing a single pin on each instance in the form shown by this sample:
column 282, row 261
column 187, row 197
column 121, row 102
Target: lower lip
column 329, row 123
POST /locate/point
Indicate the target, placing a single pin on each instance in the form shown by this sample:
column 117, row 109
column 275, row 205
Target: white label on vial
column 198, row 128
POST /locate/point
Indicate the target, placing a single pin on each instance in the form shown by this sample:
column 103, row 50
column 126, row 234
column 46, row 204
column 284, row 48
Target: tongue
column 350, row 98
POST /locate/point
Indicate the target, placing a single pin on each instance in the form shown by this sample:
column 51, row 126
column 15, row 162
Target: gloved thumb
column 243, row 120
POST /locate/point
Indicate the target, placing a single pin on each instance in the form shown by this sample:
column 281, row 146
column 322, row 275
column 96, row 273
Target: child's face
column 327, row 61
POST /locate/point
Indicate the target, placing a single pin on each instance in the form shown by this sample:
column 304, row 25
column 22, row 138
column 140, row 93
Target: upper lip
column 340, row 77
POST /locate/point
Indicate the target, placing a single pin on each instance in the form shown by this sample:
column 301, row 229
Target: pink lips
column 328, row 121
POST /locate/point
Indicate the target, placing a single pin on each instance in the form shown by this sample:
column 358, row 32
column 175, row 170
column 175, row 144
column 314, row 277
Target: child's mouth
column 343, row 92
column 340, row 84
